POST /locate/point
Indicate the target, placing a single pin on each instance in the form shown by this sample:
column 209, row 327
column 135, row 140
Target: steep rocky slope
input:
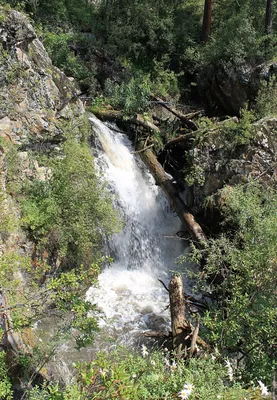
column 36, row 101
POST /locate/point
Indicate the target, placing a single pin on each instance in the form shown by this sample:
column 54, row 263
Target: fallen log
column 180, row 139
column 191, row 125
column 117, row 116
column 199, row 132
column 160, row 175
column 163, row 180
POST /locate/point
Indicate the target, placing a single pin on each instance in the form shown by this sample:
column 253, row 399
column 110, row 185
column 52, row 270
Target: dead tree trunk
column 191, row 125
column 117, row 116
column 268, row 17
column 161, row 177
column 207, row 21
column 179, row 325
column 177, row 203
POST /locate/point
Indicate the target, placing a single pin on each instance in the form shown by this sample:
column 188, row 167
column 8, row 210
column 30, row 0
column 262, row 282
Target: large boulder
column 34, row 94
column 227, row 89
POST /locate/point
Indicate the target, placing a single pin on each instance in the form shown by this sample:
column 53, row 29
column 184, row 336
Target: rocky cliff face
column 34, row 94
column 217, row 161
column 37, row 104
column 226, row 90
column 36, row 100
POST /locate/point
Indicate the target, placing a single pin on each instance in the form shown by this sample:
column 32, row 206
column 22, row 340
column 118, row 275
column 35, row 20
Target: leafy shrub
column 266, row 99
column 132, row 96
column 242, row 131
column 240, row 271
column 58, row 47
column 72, row 210
column 6, row 392
column 125, row 375
column 234, row 42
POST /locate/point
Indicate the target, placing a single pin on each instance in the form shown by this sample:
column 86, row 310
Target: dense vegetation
column 153, row 41
column 121, row 52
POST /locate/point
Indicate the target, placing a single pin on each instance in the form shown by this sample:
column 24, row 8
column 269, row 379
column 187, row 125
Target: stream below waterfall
column 129, row 295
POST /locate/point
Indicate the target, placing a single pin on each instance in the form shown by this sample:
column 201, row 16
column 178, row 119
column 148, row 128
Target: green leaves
column 241, row 270
column 6, row 392
column 72, row 209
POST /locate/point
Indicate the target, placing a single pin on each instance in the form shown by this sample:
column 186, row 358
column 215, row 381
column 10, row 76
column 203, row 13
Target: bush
column 234, row 42
column 132, row 96
column 6, row 392
column 242, row 131
column 240, row 271
column 266, row 100
column 125, row 375
column 72, row 210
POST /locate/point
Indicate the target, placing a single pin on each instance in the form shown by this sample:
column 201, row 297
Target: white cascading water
column 129, row 293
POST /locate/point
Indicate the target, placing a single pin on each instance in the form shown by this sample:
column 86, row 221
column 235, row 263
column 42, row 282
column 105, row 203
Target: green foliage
column 242, row 131
column 241, row 271
column 57, row 44
column 164, row 82
column 67, row 292
column 131, row 96
column 72, row 210
column 231, row 49
column 8, row 219
column 6, row 392
column 266, row 99
column 125, row 375
column 13, row 182
column 195, row 175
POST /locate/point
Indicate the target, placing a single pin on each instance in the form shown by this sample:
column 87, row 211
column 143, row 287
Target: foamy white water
column 129, row 293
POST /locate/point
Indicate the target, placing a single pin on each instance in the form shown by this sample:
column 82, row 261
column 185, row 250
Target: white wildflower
column 186, row 391
column 188, row 387
column 167, row 363
column 144, row 351
column 213, row 357
column 102, row 372
column 230, row 370
column 152, row 362
column 263, row 389
column 183, row 394
column 173, row 366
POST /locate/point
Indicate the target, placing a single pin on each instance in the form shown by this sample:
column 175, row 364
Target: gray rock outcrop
column 228, row 89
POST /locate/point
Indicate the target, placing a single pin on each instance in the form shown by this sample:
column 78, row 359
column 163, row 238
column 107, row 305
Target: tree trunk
column 161, row 177
column 268, row 17
column 191, row 125
column 174, row 197
column 113, row 115
column 207, row 21
column 179, row 325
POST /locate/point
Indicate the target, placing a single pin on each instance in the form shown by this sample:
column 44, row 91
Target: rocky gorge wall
column 36, row 101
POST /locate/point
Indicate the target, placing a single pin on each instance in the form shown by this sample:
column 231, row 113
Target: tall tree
column 268, row 17
column 207, row 21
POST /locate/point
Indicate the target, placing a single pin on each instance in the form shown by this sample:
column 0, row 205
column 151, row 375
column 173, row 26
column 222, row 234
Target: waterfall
column 129, row 294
